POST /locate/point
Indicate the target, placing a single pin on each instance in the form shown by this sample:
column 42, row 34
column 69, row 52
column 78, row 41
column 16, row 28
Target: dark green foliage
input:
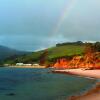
column 43, row 57
column 97, row 46
column 70, row 43
column 6, row 52
column 26, row 58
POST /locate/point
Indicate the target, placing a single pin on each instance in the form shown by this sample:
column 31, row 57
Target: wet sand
column 94, row 93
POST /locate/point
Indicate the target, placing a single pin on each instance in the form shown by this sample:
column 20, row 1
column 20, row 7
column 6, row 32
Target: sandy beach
column 93, row 94
column 81, row 72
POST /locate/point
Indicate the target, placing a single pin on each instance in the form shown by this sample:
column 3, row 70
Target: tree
column 43, row 57
column 97, row 46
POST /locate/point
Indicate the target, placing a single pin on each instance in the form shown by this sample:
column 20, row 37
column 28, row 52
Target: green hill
column 51, row 54
column 64, row 51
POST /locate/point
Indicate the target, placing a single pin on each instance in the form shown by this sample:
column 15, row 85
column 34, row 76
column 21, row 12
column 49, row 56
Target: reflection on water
column 37, row 84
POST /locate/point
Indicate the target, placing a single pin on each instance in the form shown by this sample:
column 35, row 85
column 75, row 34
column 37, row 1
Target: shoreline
column 26, row 66
column 91, row 94
column 80, row 72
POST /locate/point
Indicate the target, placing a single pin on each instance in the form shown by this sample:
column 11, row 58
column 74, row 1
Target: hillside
column 64, row 51
column 52, row 54
column 6, row 52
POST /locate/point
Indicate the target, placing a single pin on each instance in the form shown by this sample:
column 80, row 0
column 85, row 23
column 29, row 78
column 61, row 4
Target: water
column 39, row 84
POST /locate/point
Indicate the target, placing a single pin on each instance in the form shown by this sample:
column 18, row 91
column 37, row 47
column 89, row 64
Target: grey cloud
column 31, row 29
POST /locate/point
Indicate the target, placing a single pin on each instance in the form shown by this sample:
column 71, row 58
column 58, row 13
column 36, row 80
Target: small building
column 27, row 64
column 19, row 64
column 36, row 65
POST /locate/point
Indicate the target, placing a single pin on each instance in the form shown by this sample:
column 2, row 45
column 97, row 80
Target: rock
column 11, row 94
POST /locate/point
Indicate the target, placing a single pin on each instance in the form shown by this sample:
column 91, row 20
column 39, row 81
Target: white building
column 27, row 64
column 19, row 64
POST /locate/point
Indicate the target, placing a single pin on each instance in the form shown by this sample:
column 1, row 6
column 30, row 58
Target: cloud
column 83, row 22
column 28, row 25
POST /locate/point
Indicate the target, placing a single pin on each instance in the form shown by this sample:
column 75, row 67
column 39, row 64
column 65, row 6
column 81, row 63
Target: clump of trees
column 70, row 43
column 92, row 47
column 97, row 46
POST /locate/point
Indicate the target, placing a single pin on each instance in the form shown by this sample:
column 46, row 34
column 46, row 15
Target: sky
column 31, row 25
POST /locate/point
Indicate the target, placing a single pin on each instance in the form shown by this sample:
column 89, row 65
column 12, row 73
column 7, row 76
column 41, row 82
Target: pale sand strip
column 81, row 72
column 28, row 66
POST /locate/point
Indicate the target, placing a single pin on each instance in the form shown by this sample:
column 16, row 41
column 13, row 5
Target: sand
column 28, row 66
column 81, row 72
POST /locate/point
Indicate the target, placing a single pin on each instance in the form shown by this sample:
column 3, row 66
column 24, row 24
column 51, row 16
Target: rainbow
column 64, row 14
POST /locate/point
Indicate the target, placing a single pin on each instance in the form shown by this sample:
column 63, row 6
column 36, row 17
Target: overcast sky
column 36, row 24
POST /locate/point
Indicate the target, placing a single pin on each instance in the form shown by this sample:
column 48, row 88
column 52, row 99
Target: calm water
column 39, row 84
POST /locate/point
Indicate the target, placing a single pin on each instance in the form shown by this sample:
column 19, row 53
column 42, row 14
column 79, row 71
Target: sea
column 40, row 84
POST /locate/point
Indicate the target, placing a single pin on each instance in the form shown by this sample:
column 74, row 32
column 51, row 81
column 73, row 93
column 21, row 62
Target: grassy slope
column 63, row 51
column 53, row 53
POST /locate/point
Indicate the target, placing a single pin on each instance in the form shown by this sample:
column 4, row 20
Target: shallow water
column 39, row 84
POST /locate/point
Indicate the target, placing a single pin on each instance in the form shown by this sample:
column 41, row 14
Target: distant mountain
column 6, row 52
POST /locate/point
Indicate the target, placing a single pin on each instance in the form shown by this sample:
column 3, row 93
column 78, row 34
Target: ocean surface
column 39, row 84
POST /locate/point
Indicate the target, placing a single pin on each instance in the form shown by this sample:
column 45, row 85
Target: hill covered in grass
column 50, row 55
column 64, row 51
